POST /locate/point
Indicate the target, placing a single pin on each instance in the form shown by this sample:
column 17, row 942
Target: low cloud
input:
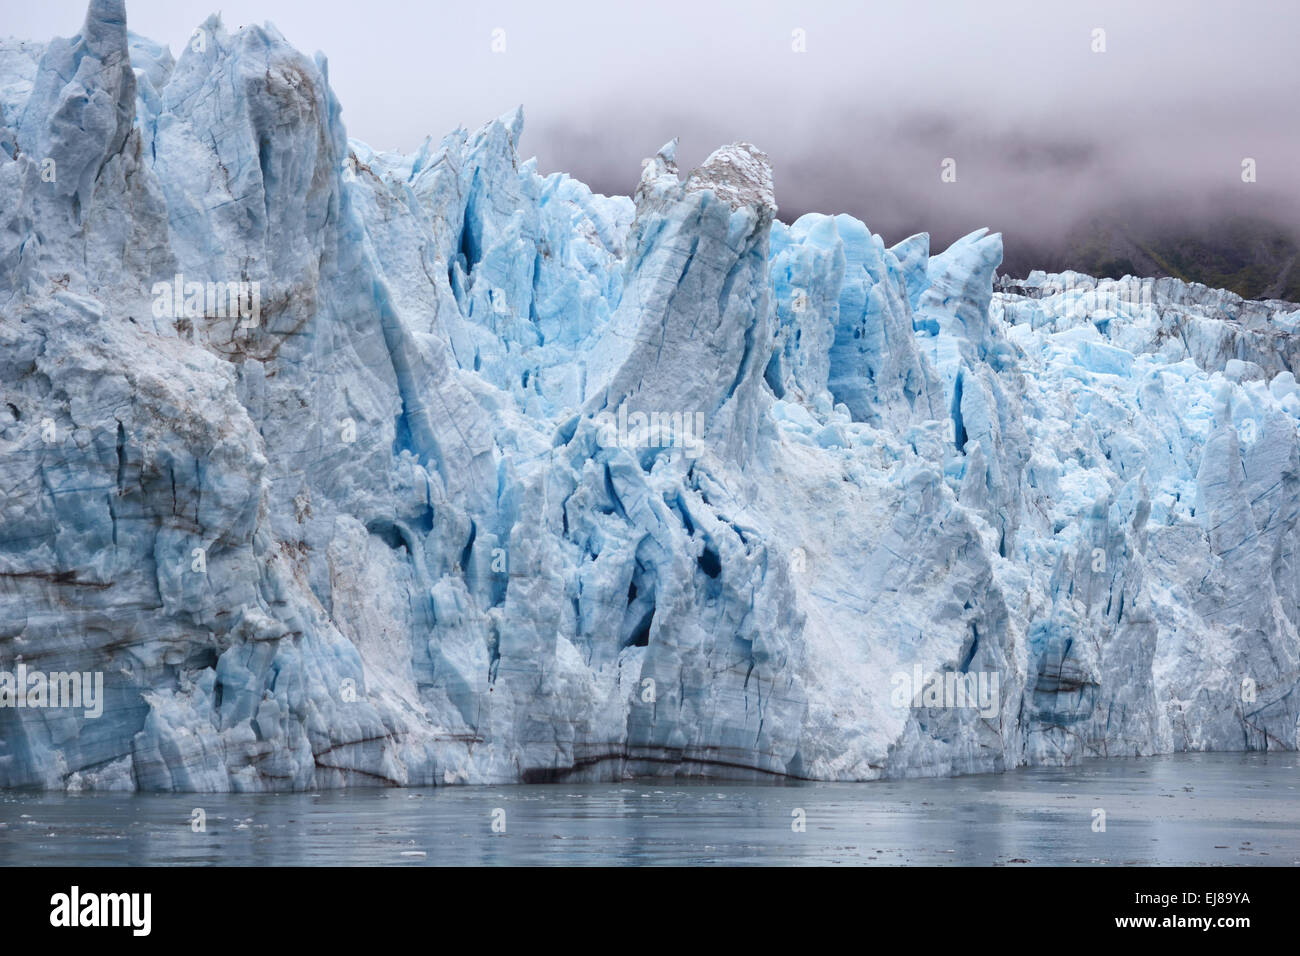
column 1046, row 129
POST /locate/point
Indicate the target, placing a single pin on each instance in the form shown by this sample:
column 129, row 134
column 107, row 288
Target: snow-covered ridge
column 372, row 528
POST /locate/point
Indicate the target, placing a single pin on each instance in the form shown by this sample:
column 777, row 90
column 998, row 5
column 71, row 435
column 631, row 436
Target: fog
column 1043, row 127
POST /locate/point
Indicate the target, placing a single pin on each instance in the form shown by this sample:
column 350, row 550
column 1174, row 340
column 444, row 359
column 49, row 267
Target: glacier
column 502, row 480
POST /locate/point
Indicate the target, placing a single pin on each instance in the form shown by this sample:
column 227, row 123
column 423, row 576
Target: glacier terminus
column 342, row 467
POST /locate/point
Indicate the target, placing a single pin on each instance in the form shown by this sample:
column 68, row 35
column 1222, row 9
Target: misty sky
column 1043, row 130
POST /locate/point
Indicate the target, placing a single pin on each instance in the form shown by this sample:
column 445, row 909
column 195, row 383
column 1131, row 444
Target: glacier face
column 503, row 480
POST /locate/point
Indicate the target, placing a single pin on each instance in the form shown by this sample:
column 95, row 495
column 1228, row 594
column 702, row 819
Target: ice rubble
column 420, row 564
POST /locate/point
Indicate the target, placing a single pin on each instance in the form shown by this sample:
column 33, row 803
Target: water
column 1183, row 809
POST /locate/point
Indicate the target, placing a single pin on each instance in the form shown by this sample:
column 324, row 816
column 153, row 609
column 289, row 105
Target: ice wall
column 490, row 478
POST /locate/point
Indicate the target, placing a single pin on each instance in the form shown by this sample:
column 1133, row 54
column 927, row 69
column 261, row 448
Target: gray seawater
column 1189, row 809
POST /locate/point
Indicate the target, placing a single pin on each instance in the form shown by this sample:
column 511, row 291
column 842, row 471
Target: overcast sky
column 1042, row 129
